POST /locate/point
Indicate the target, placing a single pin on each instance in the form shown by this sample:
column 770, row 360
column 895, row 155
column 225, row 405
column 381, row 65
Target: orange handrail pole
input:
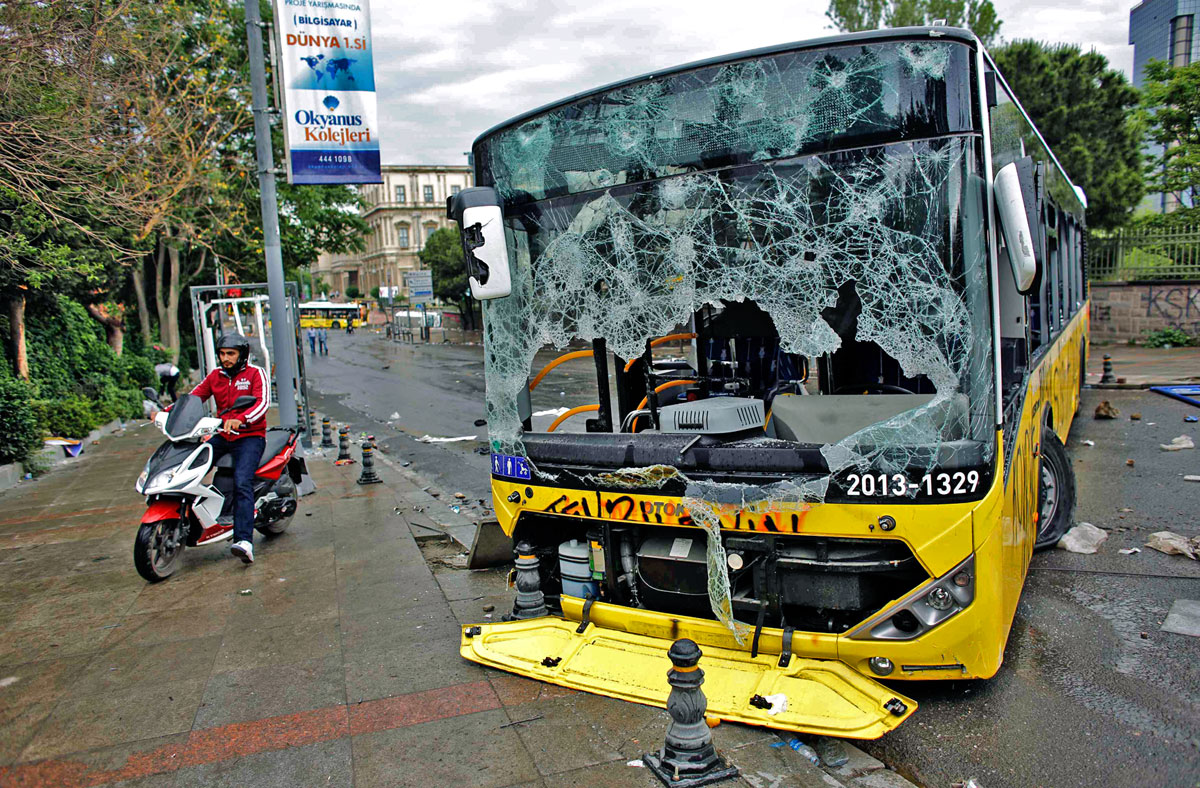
column 560, row 360
column 656, row 342
column 570, row 413
column 646, row 400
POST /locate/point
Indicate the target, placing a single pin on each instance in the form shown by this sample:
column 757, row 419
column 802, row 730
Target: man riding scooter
column 244, row 430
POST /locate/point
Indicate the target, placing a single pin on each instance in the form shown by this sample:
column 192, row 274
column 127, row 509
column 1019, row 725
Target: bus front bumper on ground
column 824, row 696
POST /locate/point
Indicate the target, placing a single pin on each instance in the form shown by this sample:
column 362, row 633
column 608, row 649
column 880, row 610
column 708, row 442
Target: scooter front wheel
column 158, row 549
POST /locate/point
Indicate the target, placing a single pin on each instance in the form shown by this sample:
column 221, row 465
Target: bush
column 1170, row 337
column 21, row 435
column 70, row 417
column 137, row 371
column 353, row 292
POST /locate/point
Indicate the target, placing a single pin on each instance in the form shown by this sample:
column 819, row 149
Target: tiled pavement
column 339, row 668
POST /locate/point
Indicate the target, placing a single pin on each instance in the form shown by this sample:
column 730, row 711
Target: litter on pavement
column 1178, row 444
column 1083, row 538
column 1188, row 394
column 1184, row 618
column 1173, row 544
column 1129, row 550
column 434, row 439
column 1106, row 410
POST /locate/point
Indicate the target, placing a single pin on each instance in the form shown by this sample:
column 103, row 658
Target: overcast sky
column 448, row 71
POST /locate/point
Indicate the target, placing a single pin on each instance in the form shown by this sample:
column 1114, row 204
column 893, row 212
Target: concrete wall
column 1122, row 311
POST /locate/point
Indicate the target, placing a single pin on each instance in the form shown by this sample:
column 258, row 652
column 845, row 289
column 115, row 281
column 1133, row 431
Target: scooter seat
column 277, row 438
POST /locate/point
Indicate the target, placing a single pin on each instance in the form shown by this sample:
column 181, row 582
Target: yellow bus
column 327, row 314
column 832, row 299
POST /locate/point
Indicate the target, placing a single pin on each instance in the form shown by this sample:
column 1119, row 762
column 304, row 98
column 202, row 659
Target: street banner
column 331, row 133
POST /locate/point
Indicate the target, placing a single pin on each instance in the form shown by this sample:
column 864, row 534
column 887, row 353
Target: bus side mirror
column 1015, row 203
column 481, row 225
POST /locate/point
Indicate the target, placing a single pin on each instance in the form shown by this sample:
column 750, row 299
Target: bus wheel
column 1056, row 494
column 336, row 324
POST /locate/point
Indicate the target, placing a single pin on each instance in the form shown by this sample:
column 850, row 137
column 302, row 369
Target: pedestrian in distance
column 312, row 341
column 350, row 326
column 244, row 431
column 323, row 339
column 168, row 378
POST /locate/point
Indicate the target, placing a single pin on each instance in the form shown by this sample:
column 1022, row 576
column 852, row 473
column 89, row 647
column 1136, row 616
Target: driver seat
column 277, row 438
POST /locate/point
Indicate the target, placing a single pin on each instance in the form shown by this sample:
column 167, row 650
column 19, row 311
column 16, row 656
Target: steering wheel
column 882, row 388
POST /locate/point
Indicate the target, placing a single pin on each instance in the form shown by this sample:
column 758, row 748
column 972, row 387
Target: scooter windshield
column 184, row 416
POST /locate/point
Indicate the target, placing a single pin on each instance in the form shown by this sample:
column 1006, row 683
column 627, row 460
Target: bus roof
column 888, row 34
column 329, row 305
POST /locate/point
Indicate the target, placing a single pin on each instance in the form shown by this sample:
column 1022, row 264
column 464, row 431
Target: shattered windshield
column 812, row 223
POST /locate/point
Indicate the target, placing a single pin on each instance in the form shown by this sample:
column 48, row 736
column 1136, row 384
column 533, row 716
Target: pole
column 282, row 333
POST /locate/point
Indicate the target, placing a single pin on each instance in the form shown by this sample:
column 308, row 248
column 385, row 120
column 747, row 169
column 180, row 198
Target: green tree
column 1171, row 109
column 443, row 256
column 1086, row 112
column 977, row 15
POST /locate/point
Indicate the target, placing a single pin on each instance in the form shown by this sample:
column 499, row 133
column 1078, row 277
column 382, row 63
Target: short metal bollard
column 326, row 433
column 688, row 757
column 312, row 424
column 344, row 445
column 530, row 602
column 1106, row 373
column 368, row 475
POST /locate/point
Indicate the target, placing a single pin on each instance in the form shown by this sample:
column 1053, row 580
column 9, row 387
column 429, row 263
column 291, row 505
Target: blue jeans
column 312, row 346
column 246, row 455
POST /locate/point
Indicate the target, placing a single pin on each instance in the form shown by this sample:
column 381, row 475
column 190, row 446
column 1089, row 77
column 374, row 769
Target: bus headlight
column 923, row 609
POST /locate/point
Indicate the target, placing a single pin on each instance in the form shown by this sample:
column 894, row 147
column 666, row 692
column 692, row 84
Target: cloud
column 447, row 72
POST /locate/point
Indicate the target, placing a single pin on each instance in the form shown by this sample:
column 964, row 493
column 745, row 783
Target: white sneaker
column 243, row 550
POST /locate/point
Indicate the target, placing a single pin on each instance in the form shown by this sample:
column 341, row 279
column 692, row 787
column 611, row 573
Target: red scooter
column 182, row 510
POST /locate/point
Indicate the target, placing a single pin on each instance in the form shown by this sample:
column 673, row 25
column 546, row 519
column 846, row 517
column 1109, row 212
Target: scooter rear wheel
column 158, row 549
column 275, row 528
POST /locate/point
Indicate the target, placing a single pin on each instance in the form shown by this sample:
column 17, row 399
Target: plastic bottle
column 806, row 751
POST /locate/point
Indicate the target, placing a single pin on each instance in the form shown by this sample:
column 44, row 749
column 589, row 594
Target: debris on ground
column 1083, row 538
column 488, row 608
column 1191, row 419
column 1088, row 443
column 1106, row 410
column 1178, row 443
column 460, row 496
column 969, row 783
column 245, row 592
column 1129, row 550
column 1174, row 544
column 1135, row 417
column 1191, row 478
column 833, row 752
column 1184, row 618
column 808, row 752
column 636, row 762
column 1129, row 463
column 435, row 439
column 395, row 415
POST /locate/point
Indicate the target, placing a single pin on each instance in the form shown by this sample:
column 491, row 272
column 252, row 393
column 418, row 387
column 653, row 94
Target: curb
column 52, row 456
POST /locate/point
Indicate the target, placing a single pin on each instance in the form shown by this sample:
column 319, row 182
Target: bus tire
column 336, row 324
column 1056, row 492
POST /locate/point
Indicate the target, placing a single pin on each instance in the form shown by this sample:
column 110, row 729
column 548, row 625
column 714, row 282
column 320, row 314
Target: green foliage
column 443, row 256
column 21, row 435
column 977, row 15
column 375, row 292
column 1086, row 113
column 69, row 417
column 1170, row 337
column 1171, row 107
column 353, row 292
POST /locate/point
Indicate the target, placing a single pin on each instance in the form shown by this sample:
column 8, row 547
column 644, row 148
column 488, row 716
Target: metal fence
column 1129, row 255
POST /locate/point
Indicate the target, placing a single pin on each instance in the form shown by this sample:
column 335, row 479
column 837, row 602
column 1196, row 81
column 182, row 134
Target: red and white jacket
column 225, row 388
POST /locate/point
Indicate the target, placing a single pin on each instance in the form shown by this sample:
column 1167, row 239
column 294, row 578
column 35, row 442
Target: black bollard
column 530, row 602
column 326, row 433
column 1106, row 374
column 312, row 425
column 344, row 445
column 368, row 462
column 688, row 757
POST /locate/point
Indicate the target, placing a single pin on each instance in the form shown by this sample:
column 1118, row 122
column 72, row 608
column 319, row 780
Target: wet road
column 1091, row 693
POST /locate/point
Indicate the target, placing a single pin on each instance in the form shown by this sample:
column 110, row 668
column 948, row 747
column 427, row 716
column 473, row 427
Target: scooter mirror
column 244, row 401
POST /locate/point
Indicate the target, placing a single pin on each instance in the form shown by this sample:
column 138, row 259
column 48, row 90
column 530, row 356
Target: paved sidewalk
column 1138, row 367
column 339, row 667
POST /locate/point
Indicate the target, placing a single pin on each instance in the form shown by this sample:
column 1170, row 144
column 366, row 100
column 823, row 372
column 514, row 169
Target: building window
column 429, row 229
column 428, row 194
column 454, row 190
column 402, row 230
column 1181, row 41
column 400, row 194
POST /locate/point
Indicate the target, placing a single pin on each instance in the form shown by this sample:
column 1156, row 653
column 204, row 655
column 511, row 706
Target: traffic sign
column 420, row 285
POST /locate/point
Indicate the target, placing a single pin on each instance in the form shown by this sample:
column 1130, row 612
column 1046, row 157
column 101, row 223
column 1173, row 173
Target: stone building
column 402, row 212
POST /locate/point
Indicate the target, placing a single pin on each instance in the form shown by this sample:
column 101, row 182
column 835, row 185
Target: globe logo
column 330, row 103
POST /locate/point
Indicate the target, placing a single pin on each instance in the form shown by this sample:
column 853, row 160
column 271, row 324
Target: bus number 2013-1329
column 898, row 485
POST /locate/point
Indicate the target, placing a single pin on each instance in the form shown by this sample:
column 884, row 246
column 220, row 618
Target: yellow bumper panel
column 823, row 696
